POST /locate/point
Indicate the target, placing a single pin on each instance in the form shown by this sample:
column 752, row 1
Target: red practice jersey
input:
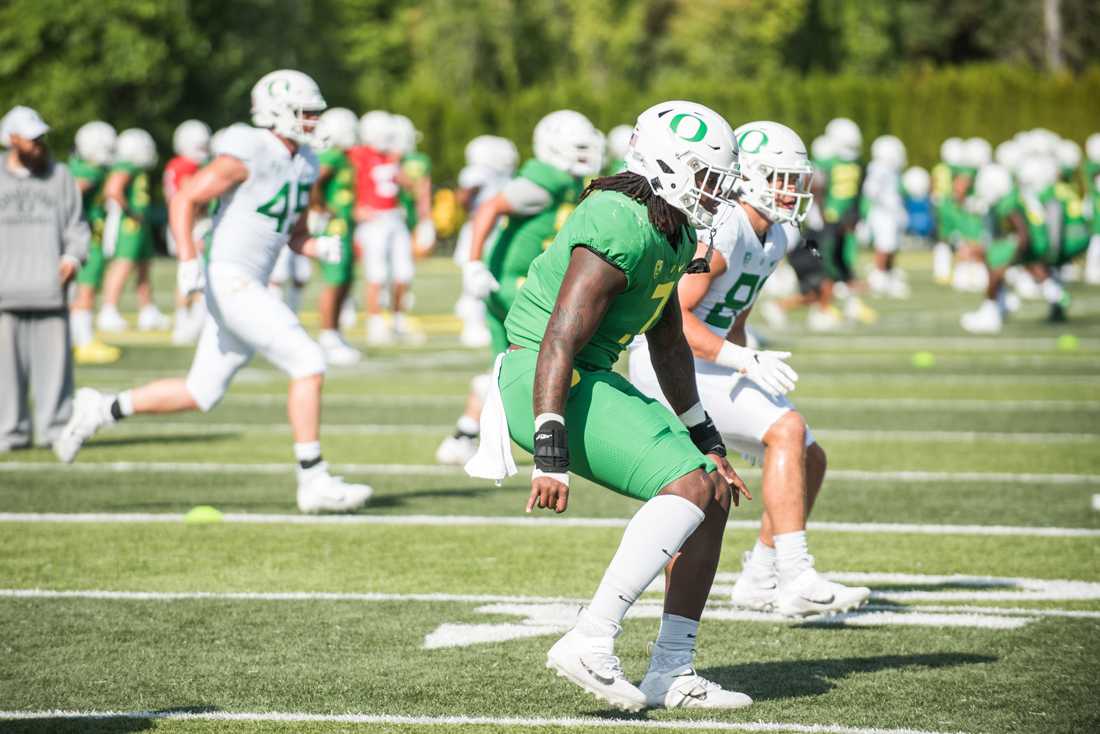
column 375, row 178
column 178, row 170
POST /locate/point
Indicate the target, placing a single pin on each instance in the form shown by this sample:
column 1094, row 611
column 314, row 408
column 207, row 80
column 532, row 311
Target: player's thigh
column 401, row 251
column 340, row 273
column 131, row 243
column 91, row 273
column 372, row 245
column 641, row 373
column 280, row 273
column 743, row 414
column 885, row 232
column 218, row 356
column 618, row 437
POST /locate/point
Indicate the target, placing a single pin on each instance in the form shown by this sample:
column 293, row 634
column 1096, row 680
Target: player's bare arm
column 589, row 286
column 114, row 189
column 691, row 289
column 485, row 218
column 317, row 193
column 737, row 333
column 213, row 180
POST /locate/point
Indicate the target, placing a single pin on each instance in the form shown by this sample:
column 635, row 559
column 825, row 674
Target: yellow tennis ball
column 202, row 514
column 1068, row 343
column 923, row 360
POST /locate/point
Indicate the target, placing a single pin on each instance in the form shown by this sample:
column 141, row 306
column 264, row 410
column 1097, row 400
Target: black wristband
column 551, row 448
column 706, row 438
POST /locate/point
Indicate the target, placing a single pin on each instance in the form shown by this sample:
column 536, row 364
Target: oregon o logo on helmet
column 285, row 83
column 748, row 138
column 699, row 133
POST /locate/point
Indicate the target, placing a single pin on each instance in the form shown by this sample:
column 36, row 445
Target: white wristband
column 543, row 417
column 562, row 477
column 693, row 416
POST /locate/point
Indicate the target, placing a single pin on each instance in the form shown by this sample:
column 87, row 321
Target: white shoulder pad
column 239, row 141
column 472, row 177
column 727, row 235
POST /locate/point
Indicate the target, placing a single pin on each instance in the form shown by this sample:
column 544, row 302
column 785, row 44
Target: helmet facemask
column 781, row 195
column 711, row 187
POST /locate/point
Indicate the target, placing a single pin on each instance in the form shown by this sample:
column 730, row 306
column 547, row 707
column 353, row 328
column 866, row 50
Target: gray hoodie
column 41, row 219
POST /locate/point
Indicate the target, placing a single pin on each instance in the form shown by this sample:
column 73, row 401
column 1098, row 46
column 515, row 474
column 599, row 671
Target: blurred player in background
column 618, row 142
column 331, row 202
column 95, row 151
column 191, row 144
column 490, row 164
column 537, row 202
column 263, row 175
column 885, row 219
column 1092, row 204
column 127, row 237
column 415, row 181
column 743, row 389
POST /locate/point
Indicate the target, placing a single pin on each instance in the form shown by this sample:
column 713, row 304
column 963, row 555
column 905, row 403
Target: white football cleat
column 897, row 287
column 986, row 320
column 456, row 450
column 378, row 331
column 809, row 593
column 151, row 319
column 827, row 319
column 591, row 663
column 109, row 319
column 91, row 411
column 337, row 351
column 319, row 491
column 679, row 686
column 756, row 587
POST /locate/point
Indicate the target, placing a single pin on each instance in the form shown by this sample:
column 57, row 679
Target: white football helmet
column 953, row 152
column 336, row 128
column 405, row 134
column 618, row 140
column 775, row 171
column 1068, row 154
column 1037, row 173
column 1092, row 147
column 1008, row 154
column 822, row 149
column 846, row 138
column 977, row 153
column 492, row 152
column 136, row 147
column 568, row 140
column 192, row 140
column 917, row 182
column 890, row 151
column 688, row 153
column 280, row 101
column 993, row 183
column 376, row 130
column 95, row 142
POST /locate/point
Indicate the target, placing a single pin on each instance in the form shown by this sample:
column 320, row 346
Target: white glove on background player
column 477, row 281
column 766, row 369
column 189, row 277
column 328, row 249
column 425, row 234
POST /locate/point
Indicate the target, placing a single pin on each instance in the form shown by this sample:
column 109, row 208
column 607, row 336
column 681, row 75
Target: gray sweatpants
column 35, row 353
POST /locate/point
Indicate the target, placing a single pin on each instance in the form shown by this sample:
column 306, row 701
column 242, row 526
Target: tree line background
column 923, row 70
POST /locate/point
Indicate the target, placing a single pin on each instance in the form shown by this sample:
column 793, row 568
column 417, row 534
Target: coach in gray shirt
column 43, row 241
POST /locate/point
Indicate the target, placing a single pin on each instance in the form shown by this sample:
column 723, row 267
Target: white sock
column 792, row 556
column 399, row 323
column 763, row 556
column 941, row 261
column 149, row 308
column 80, row 326
column 468, row 426
column 125, row 403
column 651, row 539
column 676, row 640
column 308, row 451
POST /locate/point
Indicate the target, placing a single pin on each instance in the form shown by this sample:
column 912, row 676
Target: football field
column 963, row 488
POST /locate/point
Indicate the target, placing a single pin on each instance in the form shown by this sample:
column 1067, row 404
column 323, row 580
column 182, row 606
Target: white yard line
column 968, row 343
column 527, row 522
column 505, row 722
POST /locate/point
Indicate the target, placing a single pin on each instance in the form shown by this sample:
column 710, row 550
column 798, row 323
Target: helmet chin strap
column 702, row 264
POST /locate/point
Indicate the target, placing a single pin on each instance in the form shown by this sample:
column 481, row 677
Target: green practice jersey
column 137, row 189
column 93, row 196
column 617, row 229
column 338, row 190
column 414, row 166
column 842, row 190
column 1075, row 227
column 1092, row 183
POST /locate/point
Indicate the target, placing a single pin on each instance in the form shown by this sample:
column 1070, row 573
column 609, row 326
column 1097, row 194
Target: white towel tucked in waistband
column 493, row 459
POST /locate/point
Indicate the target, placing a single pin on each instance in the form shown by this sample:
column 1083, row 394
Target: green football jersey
column 618, row 229
column 82, row 170
column 137, row 189
column 414, row 166
column 1075, row 227
column 842, row 190
column 339, row 188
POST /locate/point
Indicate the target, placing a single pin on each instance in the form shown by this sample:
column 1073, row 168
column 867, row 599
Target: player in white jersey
column 263, row 176
column 885, row 214
column 742, row 389
column 490, row 164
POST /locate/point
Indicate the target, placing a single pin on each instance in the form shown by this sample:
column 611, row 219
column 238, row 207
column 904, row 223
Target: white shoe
column 756, row 587
column 348, row 316
column 809, row 593
column 319, row 491
column 774, row 314
column 475, row 335
column 856, row 310
column 91, row 411
column 109, row 319
column 896, row 286
column 591, row 663
column 337, row 351
column 679, row 686
column 456, row 450
column 823, row 319
column 378, row 331
column 879, row 282
column 986, row 320
column 404, row 333
column 151, row 319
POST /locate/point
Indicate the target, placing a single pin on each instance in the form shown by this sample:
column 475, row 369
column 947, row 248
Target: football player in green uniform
column 332, row 200
column 1092, row 202
column 95, row 148
column 618, row 141
column 536, row 203
column 415, row 179
column 127, row 238
column 609, row 275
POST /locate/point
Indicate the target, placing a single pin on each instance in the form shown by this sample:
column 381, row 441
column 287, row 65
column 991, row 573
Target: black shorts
column 808, row 267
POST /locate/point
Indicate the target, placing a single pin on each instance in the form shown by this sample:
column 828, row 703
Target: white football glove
column 766, row 369
column 425, row 234
column 317, row 221
column 477, row 281
column 328, row 249
column 189, row 277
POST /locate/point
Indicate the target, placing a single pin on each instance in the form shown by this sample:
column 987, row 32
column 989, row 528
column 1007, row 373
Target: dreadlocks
column 667, row 219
